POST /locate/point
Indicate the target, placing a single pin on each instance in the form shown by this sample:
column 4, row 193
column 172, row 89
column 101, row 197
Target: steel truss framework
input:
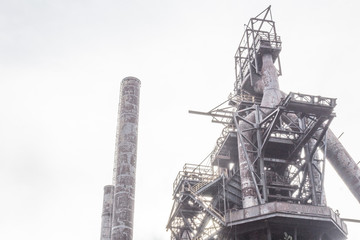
column 285, row 154
column 288, row 148
column 259, row 37
column 196, row 212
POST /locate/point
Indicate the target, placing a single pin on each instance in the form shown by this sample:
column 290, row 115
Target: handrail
column 199, row 199
column 316, row 100
column 194, row 172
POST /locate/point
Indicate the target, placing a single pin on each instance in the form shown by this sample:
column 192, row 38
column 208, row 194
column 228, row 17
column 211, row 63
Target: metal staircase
column 194, row 212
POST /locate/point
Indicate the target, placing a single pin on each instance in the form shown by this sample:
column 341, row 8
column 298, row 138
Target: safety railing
column 194, row 173
column 206, row 205
column 310, row 99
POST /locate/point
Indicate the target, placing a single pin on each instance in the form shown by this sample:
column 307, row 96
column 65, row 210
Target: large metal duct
column 126, row 153
column 343, row 163
column 271, row 97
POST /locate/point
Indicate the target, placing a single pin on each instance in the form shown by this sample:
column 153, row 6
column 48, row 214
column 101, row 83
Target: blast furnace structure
column 265, row 178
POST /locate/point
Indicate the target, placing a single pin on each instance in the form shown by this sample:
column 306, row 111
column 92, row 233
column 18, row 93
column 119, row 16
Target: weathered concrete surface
column 343, row 163
column 126, row 153
column 271, row 97
column 106, row 217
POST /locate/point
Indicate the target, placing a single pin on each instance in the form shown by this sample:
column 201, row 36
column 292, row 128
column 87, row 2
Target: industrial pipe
column 271, row 97
column 343, row 164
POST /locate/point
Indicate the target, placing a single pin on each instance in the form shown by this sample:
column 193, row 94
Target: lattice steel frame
column 303, row 131
column 196, row 215
column 259, row 35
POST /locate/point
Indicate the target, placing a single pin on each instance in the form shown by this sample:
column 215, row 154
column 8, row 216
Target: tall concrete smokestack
column 106, row 217
column 125, row 158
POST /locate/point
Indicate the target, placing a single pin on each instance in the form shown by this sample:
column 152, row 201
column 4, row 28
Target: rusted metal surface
column 271, row 97
column 269, row 76
column 339, row 158
column 343, row 163
column 317, row 165
column 287, row 210
column 247, row 184
column 126, row 149
column 259, row 37
column 106, row 217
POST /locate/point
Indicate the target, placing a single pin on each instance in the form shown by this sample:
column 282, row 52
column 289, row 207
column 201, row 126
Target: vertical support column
column 318, row 166
column 224, row 192
column 248, row 188
column 268, row 231
column 106, row 217
column 324, row 149
column 126, row 149
column 308, row 158
column 260, row 154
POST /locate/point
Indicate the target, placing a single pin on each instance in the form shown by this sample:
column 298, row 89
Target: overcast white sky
column 61, row 63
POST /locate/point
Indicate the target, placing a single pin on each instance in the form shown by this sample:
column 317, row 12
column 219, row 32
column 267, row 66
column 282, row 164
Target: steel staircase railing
column 206, row 206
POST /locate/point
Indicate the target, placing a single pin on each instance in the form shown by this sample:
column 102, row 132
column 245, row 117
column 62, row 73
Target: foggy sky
column 61, row 63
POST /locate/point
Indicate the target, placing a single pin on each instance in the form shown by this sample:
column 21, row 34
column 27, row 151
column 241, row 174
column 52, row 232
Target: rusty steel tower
column 118, row 204
column 264, row 180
